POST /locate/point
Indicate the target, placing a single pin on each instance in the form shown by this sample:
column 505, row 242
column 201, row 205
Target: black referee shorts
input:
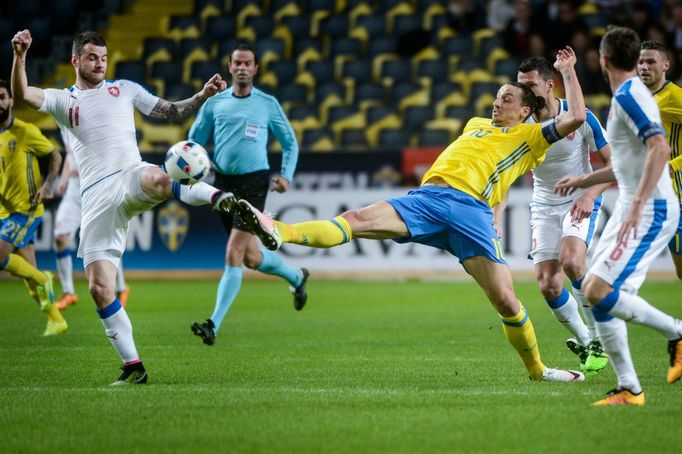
column 252, row 187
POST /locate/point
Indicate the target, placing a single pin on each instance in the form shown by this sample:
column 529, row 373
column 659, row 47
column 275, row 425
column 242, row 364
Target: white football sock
column 635, row 309
column 613, row 335
column 565, row 309
column 120, row 280
column 586, row 310
column 65, row 270
column 196, row 194
column 119, row 330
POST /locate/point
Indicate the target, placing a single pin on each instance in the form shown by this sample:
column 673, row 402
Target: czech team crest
column 114, row 91
column 173, row 225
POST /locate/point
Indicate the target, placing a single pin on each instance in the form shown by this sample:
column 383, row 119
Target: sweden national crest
column 173, row 225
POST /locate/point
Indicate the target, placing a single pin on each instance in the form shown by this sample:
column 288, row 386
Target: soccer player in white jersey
column 115, row 183
column 67, row 223
column 563, row 226
column 643, row 222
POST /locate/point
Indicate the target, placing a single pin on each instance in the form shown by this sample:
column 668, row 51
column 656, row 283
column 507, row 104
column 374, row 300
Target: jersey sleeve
column 594, row 132
column 281, row 128
column 640, row 114
column 542, row 136
column 36, row 142
column 56, row 103
column 202, row 127
column 142, row 99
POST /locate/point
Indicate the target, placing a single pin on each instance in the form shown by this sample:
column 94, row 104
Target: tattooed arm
column 179, row 111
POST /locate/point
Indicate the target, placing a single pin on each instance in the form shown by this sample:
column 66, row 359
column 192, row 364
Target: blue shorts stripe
column 65, row 253
column 110, row 310
column 660, row 215
column 559, row 300
column 338, row 224
column 593, row 219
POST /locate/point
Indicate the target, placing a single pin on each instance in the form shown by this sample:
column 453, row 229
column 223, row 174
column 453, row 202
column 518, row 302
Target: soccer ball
column 187, row 162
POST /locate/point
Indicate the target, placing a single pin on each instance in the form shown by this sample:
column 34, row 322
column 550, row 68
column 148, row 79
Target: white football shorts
column 108, row 206
column 552, row 223
column 68, row 217
column 624, row 265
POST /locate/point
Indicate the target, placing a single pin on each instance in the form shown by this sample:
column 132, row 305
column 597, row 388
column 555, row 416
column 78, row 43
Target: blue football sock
column 273, row 264
column 228, row 289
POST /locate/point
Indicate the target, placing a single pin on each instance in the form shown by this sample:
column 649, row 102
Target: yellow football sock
column 32, row 290
column 321, row 234
column 53, row 314
column 520, row 333
column 19, row 267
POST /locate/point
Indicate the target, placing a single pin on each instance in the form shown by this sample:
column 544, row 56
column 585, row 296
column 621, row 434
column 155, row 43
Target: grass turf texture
column 366, row 366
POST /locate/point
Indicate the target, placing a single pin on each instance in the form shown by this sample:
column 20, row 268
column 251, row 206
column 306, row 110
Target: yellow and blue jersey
column 485, row 160
column 669, row 100
column 20, row 146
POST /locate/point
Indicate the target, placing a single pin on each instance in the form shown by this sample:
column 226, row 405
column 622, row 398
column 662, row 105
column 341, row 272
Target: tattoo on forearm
column 178, row 111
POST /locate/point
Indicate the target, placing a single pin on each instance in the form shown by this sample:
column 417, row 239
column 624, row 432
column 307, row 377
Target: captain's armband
column 550, row 132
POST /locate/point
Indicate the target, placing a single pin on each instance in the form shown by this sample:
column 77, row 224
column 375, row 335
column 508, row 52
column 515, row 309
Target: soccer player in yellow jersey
column 21, row 208
column 652, row 66
column 452, row 208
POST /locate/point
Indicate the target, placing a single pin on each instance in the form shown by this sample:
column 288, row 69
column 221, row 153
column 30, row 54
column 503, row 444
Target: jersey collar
column 11, row 123
column 662, row 87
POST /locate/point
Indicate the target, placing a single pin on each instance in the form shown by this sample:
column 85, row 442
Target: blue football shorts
column 19, row 229
column 451, row 220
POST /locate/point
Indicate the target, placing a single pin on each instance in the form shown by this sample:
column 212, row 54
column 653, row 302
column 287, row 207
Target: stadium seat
column 406, row 23
column 299, row 26
column 434, row 137
column 377, row 113
column 394, row 139
column 67, row 13
column 336, row 26
column 169, row 72
column 155, row 44
column 220, row 28
column 396, row 70
column 337, row 113
column 321, row 5
column 293, row 92
column 310, row 136
column 373, row 25
column 305, row 44
column 436, row 70
column 131, row 70
column 403, row 89
column 464, row 113
column 322, row 71
column 302, row 112
column 184, row 27
column 507, row 67
column 354, row 138
column 470, row 64
column 478, row 89
column 459, row 45
column 370, row 94
column 415, row 117
column 285, row 71
column 204, row 70
column 444, row 89
column 345, row 46
column 357, row 69
column 261, row 25
column 324, row 90
column 382, row 45
column 188, row 45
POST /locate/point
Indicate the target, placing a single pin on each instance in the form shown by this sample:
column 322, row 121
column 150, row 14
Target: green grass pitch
column 365, row 367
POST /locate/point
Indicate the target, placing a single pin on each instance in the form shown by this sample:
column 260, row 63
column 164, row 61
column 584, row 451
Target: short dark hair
column 84, row 38
column 655, row 45
column 7, row 86
column 539, row 64
column 529, row 98
column 622, row 46
column 246, row 47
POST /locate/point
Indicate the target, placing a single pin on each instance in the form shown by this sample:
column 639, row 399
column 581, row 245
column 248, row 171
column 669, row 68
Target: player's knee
column 156, row 183
column 236, row 257
column 592, row 290
column 550, row 288
column 505, row 302
column 61, row 242
column 252, row 259
column 354, row 218
column 573, row 267
column 100, row 293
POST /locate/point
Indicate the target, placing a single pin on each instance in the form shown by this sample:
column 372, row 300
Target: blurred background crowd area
column 350, row 74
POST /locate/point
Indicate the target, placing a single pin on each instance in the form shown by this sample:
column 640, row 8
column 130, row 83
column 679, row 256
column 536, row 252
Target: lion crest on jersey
column 571, row 136
column 114, row 91
column 173, row 225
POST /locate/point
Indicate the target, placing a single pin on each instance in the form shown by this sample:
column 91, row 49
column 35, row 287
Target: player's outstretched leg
column 299, row 292
column 206, row 331
column 259, row 224
column 132, row 374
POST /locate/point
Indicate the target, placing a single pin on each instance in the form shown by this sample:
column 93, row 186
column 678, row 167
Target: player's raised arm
column 33, row 96
column 576, row 115
column 179, row 111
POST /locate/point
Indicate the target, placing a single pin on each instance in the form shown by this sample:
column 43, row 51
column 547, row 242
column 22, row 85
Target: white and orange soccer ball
column 187, row 162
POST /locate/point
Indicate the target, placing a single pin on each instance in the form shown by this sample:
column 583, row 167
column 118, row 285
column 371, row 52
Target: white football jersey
column 633, row 118
column 569, row 156
column 100, row 125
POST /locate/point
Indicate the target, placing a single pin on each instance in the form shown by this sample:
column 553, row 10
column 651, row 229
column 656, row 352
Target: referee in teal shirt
column 239, row 120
